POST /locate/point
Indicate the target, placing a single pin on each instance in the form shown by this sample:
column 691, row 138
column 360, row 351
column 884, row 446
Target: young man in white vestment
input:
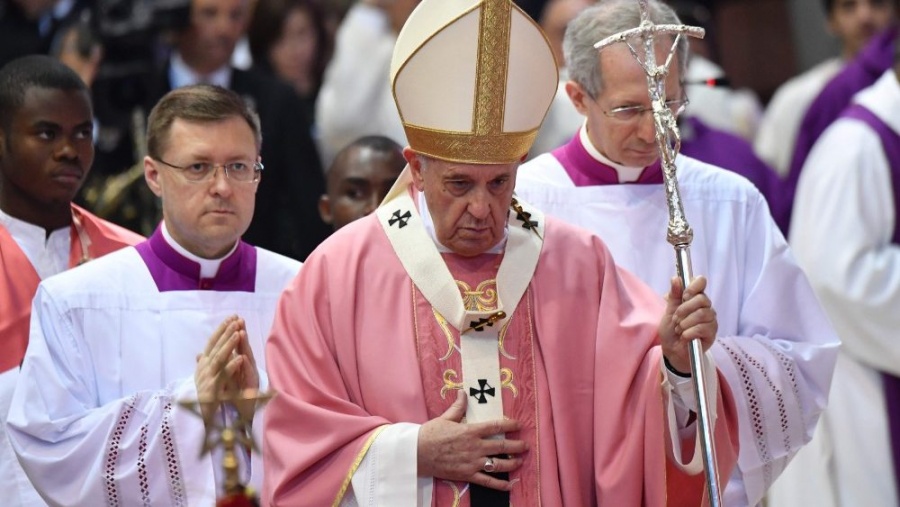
column 46, row 152
column 774, row 345
column 117, row 343
column 845, row 233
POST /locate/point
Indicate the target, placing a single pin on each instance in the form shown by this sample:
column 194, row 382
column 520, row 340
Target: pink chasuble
column 355, row 347
column 19, row 280
column 441, row 369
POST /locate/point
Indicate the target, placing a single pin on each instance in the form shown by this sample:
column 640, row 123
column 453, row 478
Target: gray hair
column 606, row 18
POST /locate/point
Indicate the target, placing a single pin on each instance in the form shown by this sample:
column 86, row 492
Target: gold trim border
column 468, row 148
column 356, row 463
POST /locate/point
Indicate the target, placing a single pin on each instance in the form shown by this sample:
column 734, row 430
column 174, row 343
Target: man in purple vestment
column 863, row 71
column 115, row 344
column 608, row 179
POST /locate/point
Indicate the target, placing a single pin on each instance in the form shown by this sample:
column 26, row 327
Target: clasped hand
column 226, row 365
column 689, row 316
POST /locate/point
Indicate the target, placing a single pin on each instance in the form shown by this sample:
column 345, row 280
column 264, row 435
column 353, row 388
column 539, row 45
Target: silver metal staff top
column 679, row 233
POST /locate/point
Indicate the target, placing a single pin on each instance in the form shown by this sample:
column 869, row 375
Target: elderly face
column 46, row 152
column 469, row 203
column 854, row 22
column 629, row 141
column 205, row 217
column 216, row 26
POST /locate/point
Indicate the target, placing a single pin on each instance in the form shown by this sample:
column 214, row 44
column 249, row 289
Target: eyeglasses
column 245, row 172
column 631, row 113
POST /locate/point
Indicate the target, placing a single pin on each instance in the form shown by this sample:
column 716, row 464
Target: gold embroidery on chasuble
column 438, row 348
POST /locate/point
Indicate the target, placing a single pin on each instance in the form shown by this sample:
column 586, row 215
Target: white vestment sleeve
column 679, row 402
column 142, row 449
column 387, row 474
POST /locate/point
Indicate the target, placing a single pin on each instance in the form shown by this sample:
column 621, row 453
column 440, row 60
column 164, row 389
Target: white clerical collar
column 208, row 267
column 626, row 174
column 180, row 74
column 428, row 223
column 48, row 254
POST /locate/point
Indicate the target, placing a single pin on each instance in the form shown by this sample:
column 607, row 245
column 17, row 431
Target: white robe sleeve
column 387, row 474
column 142, row 449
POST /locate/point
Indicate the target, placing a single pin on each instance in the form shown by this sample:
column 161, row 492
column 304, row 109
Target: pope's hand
column 689, row 315
column 455, row 451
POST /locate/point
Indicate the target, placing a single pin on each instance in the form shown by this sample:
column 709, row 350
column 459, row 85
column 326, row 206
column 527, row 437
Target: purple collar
column 585, row 170
column 172, row 271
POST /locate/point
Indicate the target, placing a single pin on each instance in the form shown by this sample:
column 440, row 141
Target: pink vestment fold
column 20, row 280
column 344, row 359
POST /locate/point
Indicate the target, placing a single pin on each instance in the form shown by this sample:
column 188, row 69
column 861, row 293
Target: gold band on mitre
column 473, row 80
column 467, row 148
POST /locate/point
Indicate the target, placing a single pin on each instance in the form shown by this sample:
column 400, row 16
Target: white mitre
column 472, row 80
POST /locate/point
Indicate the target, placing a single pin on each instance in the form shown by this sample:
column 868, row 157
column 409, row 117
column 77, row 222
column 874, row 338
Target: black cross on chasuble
column 399, row 219
column 479, row 495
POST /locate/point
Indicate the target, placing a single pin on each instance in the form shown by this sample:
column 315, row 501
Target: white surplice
column 844, row 219
column 48, row 255
column 775, row 346
column 95, row 417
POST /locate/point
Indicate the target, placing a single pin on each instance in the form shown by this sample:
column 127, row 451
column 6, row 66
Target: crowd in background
column 317, row 73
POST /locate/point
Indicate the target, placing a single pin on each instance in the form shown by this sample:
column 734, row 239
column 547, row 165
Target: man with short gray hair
column 774, row 343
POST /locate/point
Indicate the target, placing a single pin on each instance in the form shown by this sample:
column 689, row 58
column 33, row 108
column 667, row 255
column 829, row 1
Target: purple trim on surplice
column 172, row 271
column 890, row 143
column 585, row 170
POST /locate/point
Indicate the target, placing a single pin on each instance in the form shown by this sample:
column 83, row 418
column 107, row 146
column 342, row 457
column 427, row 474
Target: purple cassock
column 731, row 152
column 863, row 71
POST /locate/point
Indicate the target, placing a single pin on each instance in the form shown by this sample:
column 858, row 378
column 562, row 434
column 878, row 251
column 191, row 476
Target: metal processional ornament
column 230, row 436
column 679, row 233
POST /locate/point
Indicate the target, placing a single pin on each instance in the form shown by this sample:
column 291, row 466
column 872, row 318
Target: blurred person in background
column 289, row 39
column 356, row 99
column 846, row 208
column 853, row 23
column 34, row 26
column 868, row 66
column 359, row 178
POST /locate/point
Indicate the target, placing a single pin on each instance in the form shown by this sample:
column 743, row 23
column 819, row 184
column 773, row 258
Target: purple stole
column 890, row 143
column 171, row 271
column 876, row 58
column 585, row 170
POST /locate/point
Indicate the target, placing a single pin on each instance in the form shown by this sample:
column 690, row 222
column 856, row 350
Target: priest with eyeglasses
column 775, row 345
column 117, row 343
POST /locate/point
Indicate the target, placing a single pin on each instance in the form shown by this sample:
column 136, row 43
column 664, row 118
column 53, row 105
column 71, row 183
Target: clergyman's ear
column 578, row 96
column 151, row 175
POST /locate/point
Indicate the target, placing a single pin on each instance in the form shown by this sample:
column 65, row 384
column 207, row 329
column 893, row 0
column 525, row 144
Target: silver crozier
column 679, row 232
